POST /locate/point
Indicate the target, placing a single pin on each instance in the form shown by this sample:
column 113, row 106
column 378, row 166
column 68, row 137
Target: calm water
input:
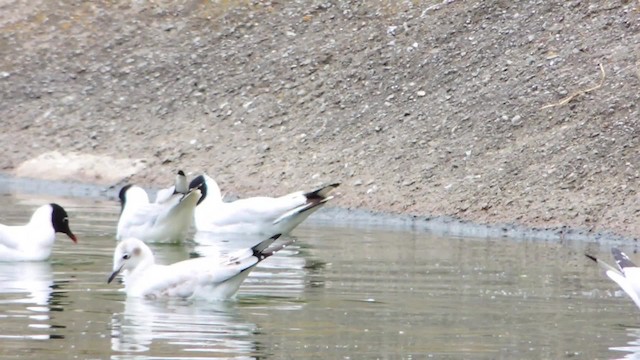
column 338, row 293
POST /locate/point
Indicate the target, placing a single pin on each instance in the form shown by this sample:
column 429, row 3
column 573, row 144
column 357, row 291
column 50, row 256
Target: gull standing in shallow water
column 208, row 278
column 627, row 275
column 256, row 215
column 167, row 221
column 34, row 241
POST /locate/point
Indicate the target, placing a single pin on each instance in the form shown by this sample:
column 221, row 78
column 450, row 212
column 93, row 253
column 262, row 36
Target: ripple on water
column 338, row 292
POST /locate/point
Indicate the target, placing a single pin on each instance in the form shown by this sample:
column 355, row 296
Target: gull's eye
column 126, row 256
column 65, row 219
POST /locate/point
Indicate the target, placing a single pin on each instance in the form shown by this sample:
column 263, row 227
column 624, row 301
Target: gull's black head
column 60, row 221
column 123, row 196
column 199, row 183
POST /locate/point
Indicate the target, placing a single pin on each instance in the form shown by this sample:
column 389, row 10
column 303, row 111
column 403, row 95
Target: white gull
column 255, row 215
column 34, row 241
column 627, row 275
column 209, row 278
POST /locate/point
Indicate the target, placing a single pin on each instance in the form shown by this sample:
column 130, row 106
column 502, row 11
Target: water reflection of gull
column 26, row 289
column 31, row 279
column 189, row 326
column 633, row 347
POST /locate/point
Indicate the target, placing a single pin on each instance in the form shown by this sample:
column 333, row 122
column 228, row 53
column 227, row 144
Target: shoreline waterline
column 439, row 225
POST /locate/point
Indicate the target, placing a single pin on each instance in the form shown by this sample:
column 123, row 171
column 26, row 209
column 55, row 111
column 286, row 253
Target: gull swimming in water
column 627, row 275
column 209, row 278
column 255, row 215
column 166, row 222
column 34, row 241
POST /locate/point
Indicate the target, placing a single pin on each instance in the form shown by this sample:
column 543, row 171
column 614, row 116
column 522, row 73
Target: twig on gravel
column 579, row 92
column 435, row 7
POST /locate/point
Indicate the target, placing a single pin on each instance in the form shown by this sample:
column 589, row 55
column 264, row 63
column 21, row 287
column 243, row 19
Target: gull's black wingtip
column 621, row 258
column 591, row 257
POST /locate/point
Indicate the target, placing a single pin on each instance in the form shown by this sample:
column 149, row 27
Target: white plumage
column 34, row 241
column 166, row 222
column 180, row 186
column 627, row 275
column 209, row 278
column 256, row 215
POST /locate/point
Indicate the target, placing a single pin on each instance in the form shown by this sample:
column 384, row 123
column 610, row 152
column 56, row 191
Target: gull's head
column 130, row 254
column 199, row 183
column 207, row 186
column 132, row 194
column 60, row 221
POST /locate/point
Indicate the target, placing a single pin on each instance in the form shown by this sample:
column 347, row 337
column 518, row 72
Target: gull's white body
column 626, row 275
column 165, row 222
column 30, row 242
column 199, row 278
column 256, row 215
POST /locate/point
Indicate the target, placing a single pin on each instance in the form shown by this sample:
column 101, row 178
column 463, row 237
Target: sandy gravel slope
column 492, row 111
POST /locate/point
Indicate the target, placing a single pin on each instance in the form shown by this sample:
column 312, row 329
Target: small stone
column 516, row 120
column 421, row 93
column 391, row 30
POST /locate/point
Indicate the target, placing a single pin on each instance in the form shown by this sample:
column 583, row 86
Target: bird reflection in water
column 28, row 291
column 201, row 327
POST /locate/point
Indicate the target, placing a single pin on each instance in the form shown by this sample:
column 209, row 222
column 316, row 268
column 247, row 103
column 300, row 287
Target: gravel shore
column 494, row 112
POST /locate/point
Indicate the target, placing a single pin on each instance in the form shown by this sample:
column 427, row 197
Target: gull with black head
column 256, row 215
column 34, row 240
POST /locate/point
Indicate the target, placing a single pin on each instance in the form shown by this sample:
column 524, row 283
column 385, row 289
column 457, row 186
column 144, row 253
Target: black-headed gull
column 166, row 222
column 627, row 275
column 34, row 241
column 181, row 186
column 255, row 215
column 209, row 278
